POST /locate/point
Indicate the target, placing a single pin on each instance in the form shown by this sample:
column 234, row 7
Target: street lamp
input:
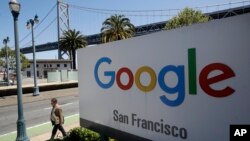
column 5, row 41
column 30, row 23
column 21, row 128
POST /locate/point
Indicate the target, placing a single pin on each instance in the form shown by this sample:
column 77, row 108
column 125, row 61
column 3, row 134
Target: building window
column 37, row 73
column 44, row 65
column 58, row 65
column 28, row 66
column 65, row 65
column 28, row 73
column 45, row 73
column 50, row 65
column 37, row 65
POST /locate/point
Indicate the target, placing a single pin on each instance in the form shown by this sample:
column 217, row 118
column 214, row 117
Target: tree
column 186, row 17
column 117, row 27
column 24, row 61
column 71, row 41
column 12, row 59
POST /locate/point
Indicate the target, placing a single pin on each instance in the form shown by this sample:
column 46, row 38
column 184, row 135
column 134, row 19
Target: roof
column 50, row 61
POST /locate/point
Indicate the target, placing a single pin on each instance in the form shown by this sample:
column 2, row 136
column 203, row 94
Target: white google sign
column 190, row 83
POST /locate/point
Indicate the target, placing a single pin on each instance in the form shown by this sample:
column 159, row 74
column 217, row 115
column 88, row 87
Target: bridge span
column 140, row 30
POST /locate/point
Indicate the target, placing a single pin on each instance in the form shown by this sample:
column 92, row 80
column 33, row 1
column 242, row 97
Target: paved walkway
column 41, row 132
column 47, row 135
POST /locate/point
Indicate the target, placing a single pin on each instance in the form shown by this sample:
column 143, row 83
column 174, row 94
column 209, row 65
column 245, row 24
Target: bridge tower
column 62, row 23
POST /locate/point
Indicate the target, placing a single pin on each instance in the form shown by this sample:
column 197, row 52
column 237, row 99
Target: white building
column 46, row 65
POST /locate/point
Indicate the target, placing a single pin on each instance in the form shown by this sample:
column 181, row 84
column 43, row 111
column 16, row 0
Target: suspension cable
column 112, row 11
column 41, row 32
column 50, row 11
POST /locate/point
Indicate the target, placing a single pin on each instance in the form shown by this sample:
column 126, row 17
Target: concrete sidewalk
column 46, row 136
column 70, row 123
column 42, row 132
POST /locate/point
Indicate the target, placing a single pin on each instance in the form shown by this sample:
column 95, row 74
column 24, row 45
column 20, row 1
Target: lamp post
column 30, row 23
column 5, row 41
column 21, row 128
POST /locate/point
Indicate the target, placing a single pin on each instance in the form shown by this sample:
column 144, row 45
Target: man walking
column 56, row 118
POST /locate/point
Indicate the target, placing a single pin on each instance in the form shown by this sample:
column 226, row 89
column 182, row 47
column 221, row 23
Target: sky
column 89, row 21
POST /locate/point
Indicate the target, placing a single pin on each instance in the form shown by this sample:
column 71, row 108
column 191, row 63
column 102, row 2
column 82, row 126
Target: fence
column 62, row 76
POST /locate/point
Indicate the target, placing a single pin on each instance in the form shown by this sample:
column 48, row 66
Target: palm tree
column 71, row 41
column 117, row 27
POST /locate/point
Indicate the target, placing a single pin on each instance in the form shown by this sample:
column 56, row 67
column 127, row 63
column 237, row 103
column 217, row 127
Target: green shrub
column 82, row 134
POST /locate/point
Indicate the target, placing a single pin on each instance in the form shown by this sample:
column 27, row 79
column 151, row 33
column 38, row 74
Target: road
column 35, row 113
